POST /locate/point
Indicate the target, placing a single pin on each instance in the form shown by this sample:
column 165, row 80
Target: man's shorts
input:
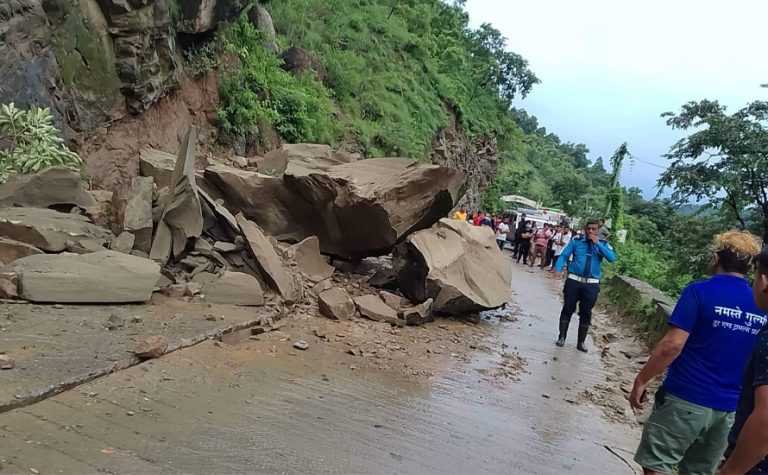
column 684, row 435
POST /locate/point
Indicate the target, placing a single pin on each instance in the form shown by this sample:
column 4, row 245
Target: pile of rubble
column 291, row 228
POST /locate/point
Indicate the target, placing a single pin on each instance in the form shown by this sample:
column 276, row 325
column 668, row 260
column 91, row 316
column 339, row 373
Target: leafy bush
column 259, row 93
column 650, row 265
column 30, row 141
column 201, row 60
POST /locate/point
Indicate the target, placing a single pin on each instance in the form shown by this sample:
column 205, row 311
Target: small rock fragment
column 6, row 362
column 151, row 347
column 175, row 290
column 301, row 345
column 114, row 322
column 9, row 285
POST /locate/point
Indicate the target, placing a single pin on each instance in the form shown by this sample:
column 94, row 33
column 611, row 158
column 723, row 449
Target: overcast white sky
column 609, row 68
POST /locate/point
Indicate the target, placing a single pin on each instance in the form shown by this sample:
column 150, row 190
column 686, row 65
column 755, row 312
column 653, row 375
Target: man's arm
column 564, row 257
column 662, row 356
column 605, row 250
column 752, row 445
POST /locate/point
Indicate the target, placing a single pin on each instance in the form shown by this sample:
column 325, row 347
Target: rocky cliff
column 112, row 73
column 477, row 157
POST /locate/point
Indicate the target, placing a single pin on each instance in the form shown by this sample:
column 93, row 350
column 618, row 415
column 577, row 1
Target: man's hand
column 636, row 396
column 556, row 274
column 594, row 239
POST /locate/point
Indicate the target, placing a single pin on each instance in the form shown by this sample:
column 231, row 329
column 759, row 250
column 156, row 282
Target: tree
column 724, row 162
column 614, row 208
column 494, row 66
column 568, row 190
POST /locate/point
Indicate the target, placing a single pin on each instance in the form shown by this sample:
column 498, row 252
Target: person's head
column 591, row 228
column 566, row 230
column 733, row 252
column 760, row 286
column 462, row 210
column 601, row 222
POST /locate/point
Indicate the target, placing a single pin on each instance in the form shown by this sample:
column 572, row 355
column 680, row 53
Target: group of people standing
column 710, row 414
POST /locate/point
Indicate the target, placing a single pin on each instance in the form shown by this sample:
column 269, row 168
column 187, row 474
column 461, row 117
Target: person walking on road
column 501, row 234
column 748, row 440
column 561, row 240
column 711, row 334
column 582, row 285
column 540, row 240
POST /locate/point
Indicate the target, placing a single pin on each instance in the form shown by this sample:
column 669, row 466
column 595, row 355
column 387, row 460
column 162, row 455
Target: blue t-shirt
column 721, row 316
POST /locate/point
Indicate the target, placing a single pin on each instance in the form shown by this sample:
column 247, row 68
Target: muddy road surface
column 495, row 396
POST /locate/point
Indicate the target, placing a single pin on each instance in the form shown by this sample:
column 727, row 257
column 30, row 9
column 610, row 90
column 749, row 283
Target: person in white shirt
column 501, row 233
column 561, row 240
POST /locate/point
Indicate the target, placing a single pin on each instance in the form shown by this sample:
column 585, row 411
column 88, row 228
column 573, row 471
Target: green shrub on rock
column 29, row 141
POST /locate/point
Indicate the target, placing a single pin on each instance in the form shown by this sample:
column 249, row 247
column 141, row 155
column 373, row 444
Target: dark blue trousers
column 585, row 295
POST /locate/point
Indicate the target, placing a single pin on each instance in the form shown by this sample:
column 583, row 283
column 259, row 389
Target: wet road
column 210, row 409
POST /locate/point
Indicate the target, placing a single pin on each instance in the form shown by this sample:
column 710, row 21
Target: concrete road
column 259, row 407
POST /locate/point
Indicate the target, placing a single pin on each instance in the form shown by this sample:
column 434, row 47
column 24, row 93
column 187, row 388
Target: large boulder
column 262, row 21
column 269, row 263
column 54, row 186
column 51, row 230
column 99, row 277
column 234, row 288
column 457, row 265
column 298, row 60
column 199, row 16
column 356, row 209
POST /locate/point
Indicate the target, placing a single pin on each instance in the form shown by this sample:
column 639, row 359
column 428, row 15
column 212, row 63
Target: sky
column 609, row 68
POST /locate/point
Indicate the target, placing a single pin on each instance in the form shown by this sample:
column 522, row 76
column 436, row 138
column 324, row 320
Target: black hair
column 761, row 261
column 729, row 261
column 592, row 222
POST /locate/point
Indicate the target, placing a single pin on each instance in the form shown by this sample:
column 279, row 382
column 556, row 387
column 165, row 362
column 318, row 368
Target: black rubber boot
column 583, row 332
column 563, row 333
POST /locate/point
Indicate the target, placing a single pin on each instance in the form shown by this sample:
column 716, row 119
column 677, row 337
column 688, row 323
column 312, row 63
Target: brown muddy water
column 260, row 407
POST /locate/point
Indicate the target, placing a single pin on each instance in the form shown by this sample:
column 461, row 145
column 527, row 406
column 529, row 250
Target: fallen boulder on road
column 234, row 288
column 54, row 186
column 99, row 277
column 394, row 196
column 336, row 304
column 373, row 308
column 457, row 265
column 50, row 230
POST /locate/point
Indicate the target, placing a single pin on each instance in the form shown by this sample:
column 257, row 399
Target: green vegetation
column 258, row 93
column 33, row 143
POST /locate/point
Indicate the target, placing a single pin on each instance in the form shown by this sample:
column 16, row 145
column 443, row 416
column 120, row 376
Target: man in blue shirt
column 748, row 440
column 583, row 283
column 710, row 337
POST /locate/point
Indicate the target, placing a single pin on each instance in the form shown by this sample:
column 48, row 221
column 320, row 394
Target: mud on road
column 490, row 396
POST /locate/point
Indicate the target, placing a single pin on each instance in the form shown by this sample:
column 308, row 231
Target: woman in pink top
column 540, row 240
